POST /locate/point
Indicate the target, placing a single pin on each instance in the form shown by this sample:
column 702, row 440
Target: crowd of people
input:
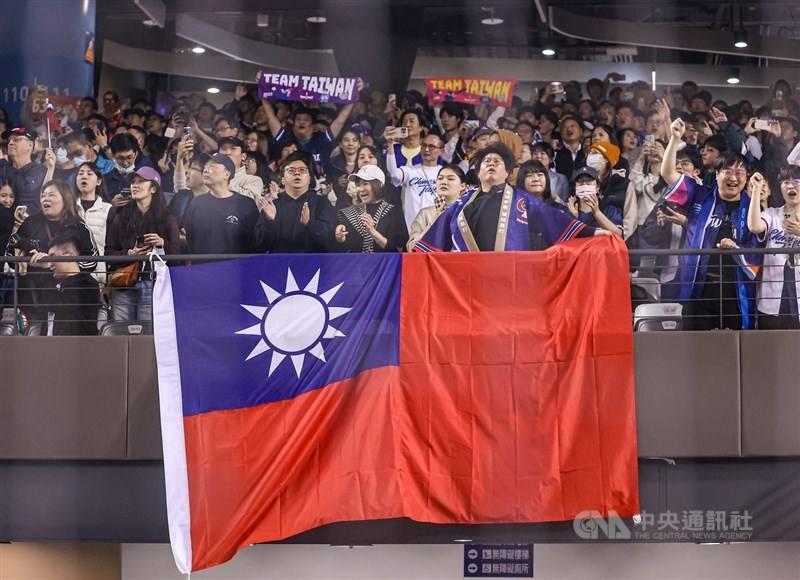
column 391, row 173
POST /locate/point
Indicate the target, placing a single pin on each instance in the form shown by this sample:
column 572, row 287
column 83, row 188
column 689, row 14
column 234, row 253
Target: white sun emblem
column 294, row 324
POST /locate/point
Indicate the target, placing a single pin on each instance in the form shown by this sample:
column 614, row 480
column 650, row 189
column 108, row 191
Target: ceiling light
column 198, row 50
column 462, row 541
column 262, row 20
column 213, row 90
column 548, row 51
column 492, row 21
column 316, row 19
column 740, row 39
column 150, row 23
column 734, row 76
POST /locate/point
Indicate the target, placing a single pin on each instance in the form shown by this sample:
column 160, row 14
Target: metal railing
column 717, row 306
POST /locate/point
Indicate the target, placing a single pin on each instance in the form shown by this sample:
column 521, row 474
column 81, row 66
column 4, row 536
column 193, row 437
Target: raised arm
column 341, row 119
column 756, row 188
column 668, row 165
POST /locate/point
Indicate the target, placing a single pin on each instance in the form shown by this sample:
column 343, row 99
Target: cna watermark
column 686, row 525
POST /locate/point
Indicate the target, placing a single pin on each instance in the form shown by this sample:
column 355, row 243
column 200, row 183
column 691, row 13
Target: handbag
column 125, row 276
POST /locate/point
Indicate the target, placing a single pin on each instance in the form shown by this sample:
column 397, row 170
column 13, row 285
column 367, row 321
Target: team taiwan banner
column 308, row 88
column 472, row 388
column 470, row 91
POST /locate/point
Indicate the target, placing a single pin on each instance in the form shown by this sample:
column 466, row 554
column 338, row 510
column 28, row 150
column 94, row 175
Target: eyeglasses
column 790, row 182
column 733, row 173
column 296, row 171
column 492, row 161
column 221, row 129
column 427, row 146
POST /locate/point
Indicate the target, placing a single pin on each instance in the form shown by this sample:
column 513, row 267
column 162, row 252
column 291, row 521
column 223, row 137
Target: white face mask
column 596, row 161
column 78, row 161
column 585, row 190
column 61, row 156
column 124, row 170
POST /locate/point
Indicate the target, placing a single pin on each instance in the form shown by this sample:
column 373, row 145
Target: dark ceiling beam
column 668, row 36
column 155, row 10
column 247, row 50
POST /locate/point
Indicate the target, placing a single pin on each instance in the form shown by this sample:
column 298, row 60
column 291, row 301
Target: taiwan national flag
column 300, row 390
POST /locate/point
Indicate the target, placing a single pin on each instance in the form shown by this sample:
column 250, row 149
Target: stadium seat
column 650, row 286
column 658, row 316
column 132, row 328
column 7, row 329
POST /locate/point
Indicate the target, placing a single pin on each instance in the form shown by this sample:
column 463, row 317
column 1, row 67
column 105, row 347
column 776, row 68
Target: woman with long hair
column 138, row 228
column 343, row 165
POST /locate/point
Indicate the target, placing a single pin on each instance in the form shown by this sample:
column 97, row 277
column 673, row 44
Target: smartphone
column 140, row 241
column 392, row 98
column 762, row 124
column 649, row 141
column 169, row 132
column 21, row 212
column 398, row 133
column 472, row 124
column 125, row 192
column 187, row 133
column 558, row 88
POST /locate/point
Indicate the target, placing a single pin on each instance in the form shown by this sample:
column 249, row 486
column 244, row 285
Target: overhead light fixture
column 150, row 23
column 548, row 51
column 213, row 90
column 653, row 79
column 740, row 39
column 198, row 50
column 491, row 19
column 734, row 76
column 262, row 20
column 317, row 19
column 462, row 541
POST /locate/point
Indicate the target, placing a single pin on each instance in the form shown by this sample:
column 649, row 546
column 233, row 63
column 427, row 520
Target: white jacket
column 95, row 219
column 248, row 185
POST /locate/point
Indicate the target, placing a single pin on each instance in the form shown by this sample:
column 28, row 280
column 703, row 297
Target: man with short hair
column 418, row 182
column 111, row 109
column 72, row 297
column 25, row 176
column 125, row 153
column 86, row 108
column 317, row 144
column 248, row 185
column 570, row 155
column 408, row 151
column 221, row 221
column 625, row 116
column 497, row 217
column 298, row 220
column 716, row 294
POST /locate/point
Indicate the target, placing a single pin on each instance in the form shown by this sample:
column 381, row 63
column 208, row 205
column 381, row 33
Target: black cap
column 19, row 131
column 235, row 141
column 224, row 160
column 585, row 170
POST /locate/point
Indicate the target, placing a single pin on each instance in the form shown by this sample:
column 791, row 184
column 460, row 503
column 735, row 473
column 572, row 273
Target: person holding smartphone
column 142, row 226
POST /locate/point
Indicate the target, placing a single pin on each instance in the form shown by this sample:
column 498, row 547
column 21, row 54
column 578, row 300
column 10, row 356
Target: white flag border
column 172, row 434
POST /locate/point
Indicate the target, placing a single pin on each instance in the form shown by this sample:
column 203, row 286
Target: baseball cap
column 369, row 173
column 20, row 132
column 149, row 174
column 586, row 171
column 610, row 151
column 225, row 161
column 235, row 141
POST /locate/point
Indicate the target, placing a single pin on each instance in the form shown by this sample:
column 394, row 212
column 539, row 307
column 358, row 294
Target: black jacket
column 37, row 232
column 74, row 302
column 285, row 234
